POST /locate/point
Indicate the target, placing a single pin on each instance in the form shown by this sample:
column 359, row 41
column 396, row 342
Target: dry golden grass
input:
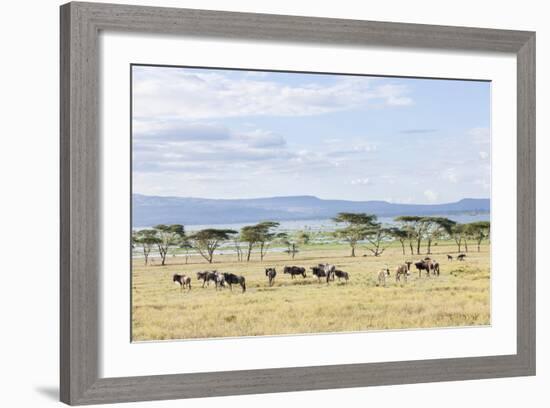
column 460, row 296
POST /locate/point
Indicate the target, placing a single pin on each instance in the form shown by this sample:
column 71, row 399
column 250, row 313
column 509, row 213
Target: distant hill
column 152, row 210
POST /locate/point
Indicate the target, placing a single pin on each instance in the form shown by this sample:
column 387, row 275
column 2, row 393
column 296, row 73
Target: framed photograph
column 259, row 203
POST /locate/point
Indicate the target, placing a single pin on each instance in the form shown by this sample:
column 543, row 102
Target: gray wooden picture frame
column 80, row 191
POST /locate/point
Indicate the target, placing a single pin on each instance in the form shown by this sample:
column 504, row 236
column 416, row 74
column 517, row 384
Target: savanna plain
column 459, row 296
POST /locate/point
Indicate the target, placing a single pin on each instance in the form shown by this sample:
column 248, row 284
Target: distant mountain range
column 153, row 210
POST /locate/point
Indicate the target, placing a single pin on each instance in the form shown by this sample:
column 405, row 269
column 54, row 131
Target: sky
column 215, row 133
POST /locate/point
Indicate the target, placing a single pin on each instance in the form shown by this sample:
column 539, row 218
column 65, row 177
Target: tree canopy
column 206, row 241
column 293, row 241
column 146, row 239
column 260, row 234
column 167, row 236
column 377, row 239
column 479, row 231
column 421, row 228
column 435, row 228
column 357, row 227
column 399, row 234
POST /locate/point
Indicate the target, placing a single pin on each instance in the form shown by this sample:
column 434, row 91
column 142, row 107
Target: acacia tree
column 260, row 234
column 186, row 246
column 266, row 235
column 146, row 239
column 416, row 226
column 457, row 232
column 479, row 231
column 411, row 236
column 466, row 233
column 303, row 237
column 237, row 240
column 377, row 237
column 357, row 226
column 167, row 236
column 292, row 248
column 206, row 241
column 250, row 235
column 435, row 228
column 401, row 235
column 292, row 243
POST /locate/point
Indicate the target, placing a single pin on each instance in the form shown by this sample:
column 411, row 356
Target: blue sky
column 241, row 134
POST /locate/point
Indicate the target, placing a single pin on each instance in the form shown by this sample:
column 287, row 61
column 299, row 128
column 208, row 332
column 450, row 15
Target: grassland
column 460, row 296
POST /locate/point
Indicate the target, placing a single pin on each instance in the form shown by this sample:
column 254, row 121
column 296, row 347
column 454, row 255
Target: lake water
column 329, row 225
column 311, row 226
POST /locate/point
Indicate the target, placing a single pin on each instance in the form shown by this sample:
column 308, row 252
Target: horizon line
column 310, row 196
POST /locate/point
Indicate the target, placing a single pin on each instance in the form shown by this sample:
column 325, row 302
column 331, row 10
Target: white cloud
column 358, row 149
column 262, row 138
column 230, row 134
column 201, row 148
column 450, row 175
column 484, row 183
column 362, row 181
column 393, row 95
column 480, row 135
column 168, row 93
column 333, row 140
column 178, row 130
column 431, row 196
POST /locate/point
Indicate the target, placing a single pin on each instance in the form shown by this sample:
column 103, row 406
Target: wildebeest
column 341, row 274
column 434, row 266
column 295, row 270
column 403, row 269
column 449, row 257
column 422, row 266
column 318, row 271
column 207, row 276
column 429, row 265
column 220, row 280
column 461, row 257
column 382, row 276
column 329, row 271
column 270, row 273
column 231, row 279
column 182, row 280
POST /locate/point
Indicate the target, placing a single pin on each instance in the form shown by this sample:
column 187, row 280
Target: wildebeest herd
column 221, row 279
column 327, row 272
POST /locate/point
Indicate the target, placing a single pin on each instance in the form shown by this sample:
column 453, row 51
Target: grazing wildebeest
column 434, row 267
column 318, row 271
column 207, row 276
column 231, row 278
column 461, row 257
column 382, row 276
column 403, row 269
column 422, row 266
column 220, row 280
column 341, row 274
column 182, row 280
column 201, row 276
column 295, row 270
column 449, row 257
column 270, row 273
column 329, row 271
